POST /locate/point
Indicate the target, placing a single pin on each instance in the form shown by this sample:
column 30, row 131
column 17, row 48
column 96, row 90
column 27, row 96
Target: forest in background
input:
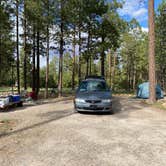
column 110, row 46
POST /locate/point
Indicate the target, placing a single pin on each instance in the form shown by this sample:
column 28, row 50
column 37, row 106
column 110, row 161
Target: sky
column 137, row 9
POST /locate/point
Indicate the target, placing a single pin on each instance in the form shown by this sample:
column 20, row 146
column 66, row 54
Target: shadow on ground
column 122, row 107
column 51, row 116
column 27, row 105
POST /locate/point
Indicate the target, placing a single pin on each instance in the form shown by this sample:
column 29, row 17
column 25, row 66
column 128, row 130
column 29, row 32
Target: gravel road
column 53, row 135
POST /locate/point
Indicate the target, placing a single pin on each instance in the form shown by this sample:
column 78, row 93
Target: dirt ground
column 53, row 135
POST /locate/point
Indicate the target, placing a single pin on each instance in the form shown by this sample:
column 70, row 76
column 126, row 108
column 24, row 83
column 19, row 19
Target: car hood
column 94, row 95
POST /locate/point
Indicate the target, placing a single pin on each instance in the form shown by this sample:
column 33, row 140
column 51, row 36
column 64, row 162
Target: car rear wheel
column 75, row 111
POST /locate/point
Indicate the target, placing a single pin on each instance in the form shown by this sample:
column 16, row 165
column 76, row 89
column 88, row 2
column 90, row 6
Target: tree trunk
column 79, row 60
column 102, row 61
column 47, row 53
column 90, row 65
column 18, row 56
column 47, row 63
column 1, row 58
column 110, row 68
column 134, row 79
column 74, row 60
column 128, row 78
column 88, row 52
column 25, row 49
column 33, row 62
column 113, row 70
column 80, row 42
column 60, row 62
column 152, row 74
column 87, row 67
column 38, row 63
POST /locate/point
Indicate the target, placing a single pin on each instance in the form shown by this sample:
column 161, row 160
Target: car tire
column 75, row 110
column 111, row 112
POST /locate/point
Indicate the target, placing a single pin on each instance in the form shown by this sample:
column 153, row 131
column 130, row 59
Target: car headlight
column 106, row 100
column 79, row 100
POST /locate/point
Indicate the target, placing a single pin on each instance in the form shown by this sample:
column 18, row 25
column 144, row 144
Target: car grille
column 89, row 108
column 94, row 108
column 93, row 101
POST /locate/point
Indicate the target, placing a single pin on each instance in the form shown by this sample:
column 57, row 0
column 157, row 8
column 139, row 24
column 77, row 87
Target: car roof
column 95, row 78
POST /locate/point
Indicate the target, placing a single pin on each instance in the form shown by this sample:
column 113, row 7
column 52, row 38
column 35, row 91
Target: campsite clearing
column 52, row 134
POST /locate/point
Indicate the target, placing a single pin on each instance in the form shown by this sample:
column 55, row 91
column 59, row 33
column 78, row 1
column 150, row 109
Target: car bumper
column 94, row 108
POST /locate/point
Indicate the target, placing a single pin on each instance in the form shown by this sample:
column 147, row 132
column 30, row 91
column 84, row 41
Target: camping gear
column 4, row 102
column 16, row 98
column 143, row 91
column 32, row 95
column 10, row 101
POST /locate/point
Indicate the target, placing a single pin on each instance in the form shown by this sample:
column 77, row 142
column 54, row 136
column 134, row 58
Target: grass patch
column 159, row 105
column 6, row 89
column 124, row 93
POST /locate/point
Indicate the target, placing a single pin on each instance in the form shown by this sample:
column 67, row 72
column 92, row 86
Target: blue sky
column 137, row 9
column 131, row 9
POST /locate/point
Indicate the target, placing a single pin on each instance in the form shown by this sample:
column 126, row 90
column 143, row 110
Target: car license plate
column 93, row 106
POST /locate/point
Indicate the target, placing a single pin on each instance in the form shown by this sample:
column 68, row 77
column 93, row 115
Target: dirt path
column 52, row 134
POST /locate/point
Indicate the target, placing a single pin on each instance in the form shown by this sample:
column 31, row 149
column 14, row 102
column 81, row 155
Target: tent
column 143, row 91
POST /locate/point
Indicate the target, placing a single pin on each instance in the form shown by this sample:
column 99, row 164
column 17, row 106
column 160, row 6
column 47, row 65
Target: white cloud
column 144, row 29
column 140, row 12
column 134, row 9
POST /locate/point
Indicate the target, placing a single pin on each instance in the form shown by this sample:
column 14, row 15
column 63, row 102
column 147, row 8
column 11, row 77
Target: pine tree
column 6, row 40
column 152, row 71
column 160, row 51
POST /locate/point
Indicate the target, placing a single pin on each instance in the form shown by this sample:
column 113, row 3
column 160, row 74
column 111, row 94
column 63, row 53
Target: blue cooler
column 16, row 98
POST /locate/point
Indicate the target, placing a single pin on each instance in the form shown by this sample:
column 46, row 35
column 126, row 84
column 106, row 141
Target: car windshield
column 93, row 85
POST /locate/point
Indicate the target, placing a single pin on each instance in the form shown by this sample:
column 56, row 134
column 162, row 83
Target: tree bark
column 74, row 59
column 88, row 52
column 102, row 60
column 38, row 62
column 1, row 58
column 134, row 79
column 18, row 56
column 110, row 68
column 25, row 49
column 128, row 78
column 79, row 60
column 152, row 72
column 33, row 62
column 102, row 63
column 90, row 65
column 87, row 67
column 47, row 53
column 60, row 62
column 47, row 63
column 113, row 70
column 80, row 42
column 134, row 73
